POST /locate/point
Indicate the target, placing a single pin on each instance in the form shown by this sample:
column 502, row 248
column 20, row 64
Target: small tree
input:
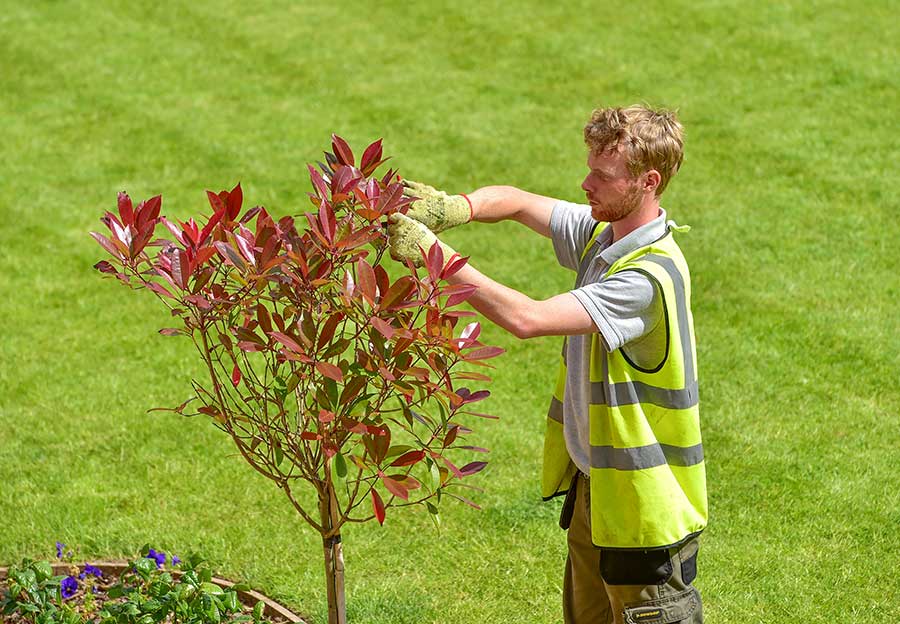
column 323, row 370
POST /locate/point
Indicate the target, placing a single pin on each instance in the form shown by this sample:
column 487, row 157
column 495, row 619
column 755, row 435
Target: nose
column 584, row 185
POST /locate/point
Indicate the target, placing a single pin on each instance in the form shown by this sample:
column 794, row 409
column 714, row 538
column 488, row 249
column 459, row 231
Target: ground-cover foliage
column 788, row 182
column 324, row 372
column 145, row 593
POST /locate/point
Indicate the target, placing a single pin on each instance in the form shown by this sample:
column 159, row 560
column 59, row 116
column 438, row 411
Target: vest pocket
column 635, row 567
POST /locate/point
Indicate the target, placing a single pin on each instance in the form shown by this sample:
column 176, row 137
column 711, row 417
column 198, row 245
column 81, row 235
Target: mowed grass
column 789, row 182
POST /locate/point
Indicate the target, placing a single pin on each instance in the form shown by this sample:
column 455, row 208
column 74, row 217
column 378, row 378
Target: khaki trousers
column 605, row 586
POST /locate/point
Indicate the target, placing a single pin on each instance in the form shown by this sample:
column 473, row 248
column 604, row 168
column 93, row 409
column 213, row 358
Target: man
column 623, row 431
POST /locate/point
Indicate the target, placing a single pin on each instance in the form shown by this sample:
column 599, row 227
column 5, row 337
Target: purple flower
column 69, row 586
column 159, row 557
column 93, row 570
column 175, row 560
column 59, row 549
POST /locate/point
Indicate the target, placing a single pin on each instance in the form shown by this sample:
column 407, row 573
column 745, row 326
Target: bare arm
column 522, row 316
column 496, row 203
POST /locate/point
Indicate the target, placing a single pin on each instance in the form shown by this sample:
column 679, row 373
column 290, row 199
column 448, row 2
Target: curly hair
column 652, row 139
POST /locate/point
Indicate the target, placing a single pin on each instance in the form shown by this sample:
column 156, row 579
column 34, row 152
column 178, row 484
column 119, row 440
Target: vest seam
column 662, row 293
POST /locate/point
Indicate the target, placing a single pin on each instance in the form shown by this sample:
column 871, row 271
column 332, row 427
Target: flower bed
column 142, row 591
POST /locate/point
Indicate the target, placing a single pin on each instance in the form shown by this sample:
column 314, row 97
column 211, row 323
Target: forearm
column 500, row 304
column 522, row 316
column 497, row 203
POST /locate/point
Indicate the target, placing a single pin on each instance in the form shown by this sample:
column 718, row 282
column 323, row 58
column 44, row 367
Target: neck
column 647, row 212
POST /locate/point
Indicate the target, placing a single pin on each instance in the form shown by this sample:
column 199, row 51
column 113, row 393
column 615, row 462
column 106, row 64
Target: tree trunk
column 334, row 558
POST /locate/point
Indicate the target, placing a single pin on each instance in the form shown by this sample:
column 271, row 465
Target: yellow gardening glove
column 406, row 236
column 437, row 210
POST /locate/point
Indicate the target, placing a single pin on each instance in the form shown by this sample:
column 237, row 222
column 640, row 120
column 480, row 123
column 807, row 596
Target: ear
column 651, row 181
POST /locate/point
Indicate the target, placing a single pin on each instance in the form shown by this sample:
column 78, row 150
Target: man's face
column 610, row 189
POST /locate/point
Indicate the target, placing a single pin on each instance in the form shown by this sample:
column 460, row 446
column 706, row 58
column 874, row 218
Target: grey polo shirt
column 625, row 307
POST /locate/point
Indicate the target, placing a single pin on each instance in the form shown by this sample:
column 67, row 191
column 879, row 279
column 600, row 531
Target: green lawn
column 789, row 181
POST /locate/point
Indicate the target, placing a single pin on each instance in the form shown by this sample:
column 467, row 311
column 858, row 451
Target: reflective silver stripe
column 687, row 354
column 556, row 410
column 642, row 457
column 633, row 392
column 683, row 455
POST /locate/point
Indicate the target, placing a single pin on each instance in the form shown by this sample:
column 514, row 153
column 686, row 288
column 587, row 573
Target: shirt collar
column 641, row 237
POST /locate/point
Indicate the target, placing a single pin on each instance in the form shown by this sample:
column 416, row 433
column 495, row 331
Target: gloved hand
column 437, row 210
column 406, row 236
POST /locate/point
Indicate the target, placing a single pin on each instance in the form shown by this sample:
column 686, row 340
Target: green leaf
column 44, row 570
column 258, row 611
column 279, row 454
column 432, row 508
column 340, row 465
column 145, row 566
column 435, row 474
column 211, row 588
column 230, row 601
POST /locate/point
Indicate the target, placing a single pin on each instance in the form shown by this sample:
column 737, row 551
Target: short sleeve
column 571, row 226
column 625, row 307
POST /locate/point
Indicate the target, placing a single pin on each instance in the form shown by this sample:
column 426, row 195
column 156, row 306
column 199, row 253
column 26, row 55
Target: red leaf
column 378, row 506
column 484, row 353
column 310, row 435
column 408, row 459
column 330, row 370
column 471, row 331
column 234, row 200
column 459, row 293
column 472, row 467
column 318, row 182
column 326, row 221
column 464, row 500
column 388, row 199
column 365, row 279
column 230, row 255
column 328, row 329
column 341, row 150
column 246, row 246
column 398, row 292
column 107, row 245
column 435, row 260
column 170, row 331
column 383, row 327
column 371, row 156
column 382, row 280
column 160, row 290
column 451, row 435
column 452, row 467
column 455, row 263
column 395, row 488
column 208, row 228
column 215, row 201
column 287, row 341
column 151, row 208
column 105, row 267
column 264, row 318
column 235, row 375
column 482, row 415
column 126, row 210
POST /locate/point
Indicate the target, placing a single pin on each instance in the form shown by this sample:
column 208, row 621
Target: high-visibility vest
column 647, row 476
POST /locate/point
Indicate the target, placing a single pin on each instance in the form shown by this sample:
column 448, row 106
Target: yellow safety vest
column 648, row 477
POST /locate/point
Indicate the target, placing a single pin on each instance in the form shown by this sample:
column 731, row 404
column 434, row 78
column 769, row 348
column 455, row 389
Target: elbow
column 525, row 325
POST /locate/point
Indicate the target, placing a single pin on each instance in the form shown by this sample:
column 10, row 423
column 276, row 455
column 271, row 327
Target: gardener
column 623, row 434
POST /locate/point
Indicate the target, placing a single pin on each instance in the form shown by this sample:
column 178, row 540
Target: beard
column 617, row 209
